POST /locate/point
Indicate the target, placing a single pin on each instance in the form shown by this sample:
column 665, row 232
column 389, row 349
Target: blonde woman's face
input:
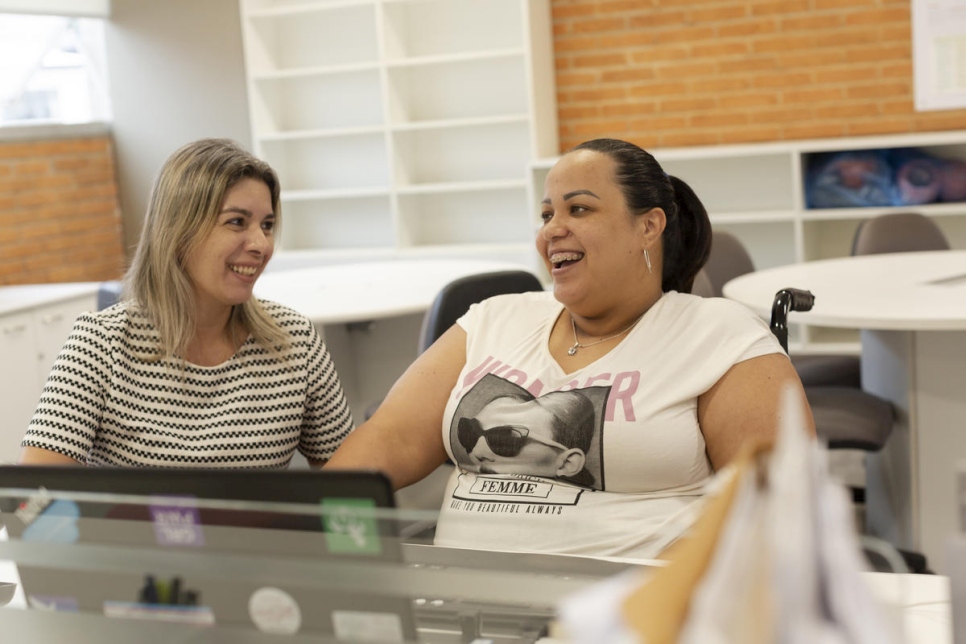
column 225, row 265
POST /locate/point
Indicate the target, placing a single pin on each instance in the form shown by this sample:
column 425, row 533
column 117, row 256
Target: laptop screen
column 214, row 513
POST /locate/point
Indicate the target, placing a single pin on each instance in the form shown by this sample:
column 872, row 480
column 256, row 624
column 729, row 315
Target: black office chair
column 456, row 298
column 845, row 417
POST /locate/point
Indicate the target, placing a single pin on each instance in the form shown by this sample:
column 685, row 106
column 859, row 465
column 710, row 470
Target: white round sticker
column 274, row 611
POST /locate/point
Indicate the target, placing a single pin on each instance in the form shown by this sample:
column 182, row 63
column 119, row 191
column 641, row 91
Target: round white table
column 911, row 308
column 366, row 291
column 370, row 313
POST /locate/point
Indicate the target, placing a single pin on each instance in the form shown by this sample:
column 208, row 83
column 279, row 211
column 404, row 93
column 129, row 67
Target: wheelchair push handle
column 788, row 299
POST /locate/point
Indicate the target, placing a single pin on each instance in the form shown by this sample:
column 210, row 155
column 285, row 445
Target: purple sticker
column 177, row 525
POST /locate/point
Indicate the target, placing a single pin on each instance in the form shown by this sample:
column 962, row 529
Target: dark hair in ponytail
column 687, row 234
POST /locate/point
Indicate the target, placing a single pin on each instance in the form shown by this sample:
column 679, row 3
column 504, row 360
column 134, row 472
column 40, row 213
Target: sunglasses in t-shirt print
column 504, row 440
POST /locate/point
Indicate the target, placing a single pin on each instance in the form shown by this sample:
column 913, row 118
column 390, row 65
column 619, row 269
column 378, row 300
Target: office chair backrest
column 456, row 297
column 900, row 232
column 728, row 259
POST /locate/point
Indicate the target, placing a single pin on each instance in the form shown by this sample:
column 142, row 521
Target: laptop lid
column 192, row 510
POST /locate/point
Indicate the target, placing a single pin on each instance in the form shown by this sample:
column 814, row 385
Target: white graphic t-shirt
column 607, row 460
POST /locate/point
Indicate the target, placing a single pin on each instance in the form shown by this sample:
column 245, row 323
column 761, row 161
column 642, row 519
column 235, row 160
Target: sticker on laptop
column 366, row 626
column 176, row 525
column 274, row 611
column 350, row 526
column 196, row 615
column 57, row 523
column 33, row 507
column 53, row 603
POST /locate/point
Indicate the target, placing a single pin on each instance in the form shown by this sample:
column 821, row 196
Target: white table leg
column 911, row 485
column 370, row 357
column 887, row 372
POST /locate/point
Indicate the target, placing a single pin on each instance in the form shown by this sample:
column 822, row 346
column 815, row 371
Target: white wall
column 176, row 74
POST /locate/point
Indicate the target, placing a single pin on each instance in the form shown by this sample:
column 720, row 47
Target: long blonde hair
column 185, row 200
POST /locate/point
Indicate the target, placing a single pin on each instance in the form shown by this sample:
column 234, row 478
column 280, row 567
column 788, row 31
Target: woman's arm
column 404, row 438
column 38, row 456
column 745, row 404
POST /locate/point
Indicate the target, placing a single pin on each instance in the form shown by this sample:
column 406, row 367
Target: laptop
column 192, row 511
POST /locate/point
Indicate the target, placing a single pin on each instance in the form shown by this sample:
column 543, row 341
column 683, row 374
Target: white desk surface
column 922, row 600
column 368, row 291
column 898, row 291
column 27, row 296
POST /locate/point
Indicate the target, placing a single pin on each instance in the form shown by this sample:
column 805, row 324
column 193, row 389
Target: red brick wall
column 59, row 214
column 668, row 73
column 658, row 72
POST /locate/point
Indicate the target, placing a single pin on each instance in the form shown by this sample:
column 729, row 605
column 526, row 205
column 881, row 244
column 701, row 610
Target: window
column 52, row 70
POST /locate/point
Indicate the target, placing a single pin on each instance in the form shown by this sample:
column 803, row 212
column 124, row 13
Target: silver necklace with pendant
column 577, row 345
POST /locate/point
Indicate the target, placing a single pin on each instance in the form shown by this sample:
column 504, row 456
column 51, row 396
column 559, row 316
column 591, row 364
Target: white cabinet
column 18, row 381
column 757, row 192
column 52, row 324
column 402, row 127
column 30, row 338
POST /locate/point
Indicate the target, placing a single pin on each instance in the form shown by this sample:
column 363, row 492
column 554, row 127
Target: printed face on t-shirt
column 512, row 437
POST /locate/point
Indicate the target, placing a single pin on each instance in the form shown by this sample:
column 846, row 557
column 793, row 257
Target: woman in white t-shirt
column 589, row 419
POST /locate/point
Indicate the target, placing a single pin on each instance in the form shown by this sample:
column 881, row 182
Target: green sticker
column 350, row 526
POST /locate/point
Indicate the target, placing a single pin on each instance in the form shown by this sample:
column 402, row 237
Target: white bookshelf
column 402, row 127
column 757, row 192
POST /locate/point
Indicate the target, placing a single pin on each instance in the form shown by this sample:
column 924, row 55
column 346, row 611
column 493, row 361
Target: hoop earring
column 647, row 260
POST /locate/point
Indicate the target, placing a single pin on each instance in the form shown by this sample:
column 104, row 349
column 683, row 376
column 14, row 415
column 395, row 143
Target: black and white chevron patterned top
column 103, row 405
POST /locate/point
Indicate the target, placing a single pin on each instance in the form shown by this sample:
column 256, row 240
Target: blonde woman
column 190, row 369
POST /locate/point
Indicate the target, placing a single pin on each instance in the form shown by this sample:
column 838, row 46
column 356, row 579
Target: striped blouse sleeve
column 327, row 419
column 71, row 405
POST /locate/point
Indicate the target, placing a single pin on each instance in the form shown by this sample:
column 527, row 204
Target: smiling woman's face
column 589, row 241
column 225, row 265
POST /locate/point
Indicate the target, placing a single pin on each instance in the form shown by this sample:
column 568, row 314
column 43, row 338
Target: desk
column 363, row 292
column 369, row 313
column 922, row 602
column 911, row 308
